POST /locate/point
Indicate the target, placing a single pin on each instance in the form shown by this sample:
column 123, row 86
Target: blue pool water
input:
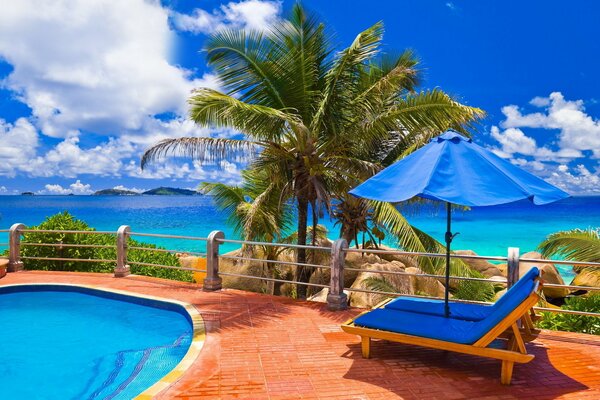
column 485, row 230
column 61, row 342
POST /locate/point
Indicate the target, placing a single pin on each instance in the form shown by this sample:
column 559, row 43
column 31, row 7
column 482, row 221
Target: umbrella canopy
column 453, row 169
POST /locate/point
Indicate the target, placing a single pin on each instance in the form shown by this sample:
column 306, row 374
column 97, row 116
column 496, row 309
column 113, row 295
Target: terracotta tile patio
column 265, row 347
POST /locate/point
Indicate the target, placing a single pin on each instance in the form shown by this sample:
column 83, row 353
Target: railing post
column 512, row 273
column 14, row 248
column 213, row 281
column 122, row 269
column 337, row 299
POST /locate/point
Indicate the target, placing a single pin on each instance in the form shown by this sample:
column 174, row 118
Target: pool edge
column 198, row 334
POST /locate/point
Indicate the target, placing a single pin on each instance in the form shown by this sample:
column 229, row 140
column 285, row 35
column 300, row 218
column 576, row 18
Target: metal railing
column 337, row 298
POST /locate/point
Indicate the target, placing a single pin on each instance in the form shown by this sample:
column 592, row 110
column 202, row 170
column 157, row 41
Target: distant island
column 161, row 191
column 27, row 194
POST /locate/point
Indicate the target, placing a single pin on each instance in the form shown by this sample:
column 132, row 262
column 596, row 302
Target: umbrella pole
column 448, row 238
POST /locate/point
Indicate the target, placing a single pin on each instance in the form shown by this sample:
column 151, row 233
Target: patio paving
column 266, row 347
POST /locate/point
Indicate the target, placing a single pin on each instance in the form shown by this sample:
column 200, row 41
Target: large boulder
column 484, row 267
column 425, row 286
column 549, row 274
column 409, row 261
column 353, row 262
column 589, row 276
column 398, row 283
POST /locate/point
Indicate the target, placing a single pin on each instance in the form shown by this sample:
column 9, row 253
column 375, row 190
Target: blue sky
column 86, row 86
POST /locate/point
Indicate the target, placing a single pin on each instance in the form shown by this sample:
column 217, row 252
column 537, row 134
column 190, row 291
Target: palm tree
column 307, row 112
column 575, row 245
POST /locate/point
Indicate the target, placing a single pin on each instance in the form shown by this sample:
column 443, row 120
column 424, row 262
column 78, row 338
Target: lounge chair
column 460, row 335
column 467, row 311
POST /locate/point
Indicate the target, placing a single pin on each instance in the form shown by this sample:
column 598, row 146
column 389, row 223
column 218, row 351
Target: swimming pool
column 74, row 342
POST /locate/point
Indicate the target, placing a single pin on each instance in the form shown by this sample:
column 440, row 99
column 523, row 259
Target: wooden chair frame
column 508, row 328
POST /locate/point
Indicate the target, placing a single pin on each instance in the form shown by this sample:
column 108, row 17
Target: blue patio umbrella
column 453, row 169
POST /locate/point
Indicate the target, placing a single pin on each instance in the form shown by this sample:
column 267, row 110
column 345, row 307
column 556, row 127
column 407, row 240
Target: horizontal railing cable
column 421, row 254
column 67, row 259
column 160, row 235
column 165, row 266
column 67, row 231
column 166, row 250
column 273, row 261
column 290, row 245
column 272, row 279
column 99, row 246
column 563, row 311
column 465, row 278
column 572, row 287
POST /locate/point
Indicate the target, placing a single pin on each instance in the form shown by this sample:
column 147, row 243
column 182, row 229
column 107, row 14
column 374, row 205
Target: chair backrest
column 525, row 279
column 512, row 300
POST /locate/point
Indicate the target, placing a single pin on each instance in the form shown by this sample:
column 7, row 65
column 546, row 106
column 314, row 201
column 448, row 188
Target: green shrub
column 575, row 323
column 66, row 222
column 475, row 290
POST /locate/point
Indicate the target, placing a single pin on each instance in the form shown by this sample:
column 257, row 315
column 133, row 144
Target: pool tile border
column 196, row 345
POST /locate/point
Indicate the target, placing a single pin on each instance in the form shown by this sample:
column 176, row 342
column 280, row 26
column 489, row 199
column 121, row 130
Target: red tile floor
column 265, row 347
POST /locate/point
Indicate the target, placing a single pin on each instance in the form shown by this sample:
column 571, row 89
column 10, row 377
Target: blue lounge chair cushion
column 446, row 329
column 422, row 325
column 466, row 311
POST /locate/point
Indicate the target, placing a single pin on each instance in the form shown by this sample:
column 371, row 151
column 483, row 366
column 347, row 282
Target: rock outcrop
column 549, row 274
column 589, row 276
column 484, row 267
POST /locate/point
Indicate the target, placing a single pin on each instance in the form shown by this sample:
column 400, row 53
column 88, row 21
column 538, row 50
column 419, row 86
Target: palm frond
column 344, row 69
column 241, row 59
column 423, row 116
column 413, row 239
column 200, row 148
column 212, row 108
column 576, row 245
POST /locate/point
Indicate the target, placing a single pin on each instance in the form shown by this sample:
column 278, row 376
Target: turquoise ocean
column 485, row 230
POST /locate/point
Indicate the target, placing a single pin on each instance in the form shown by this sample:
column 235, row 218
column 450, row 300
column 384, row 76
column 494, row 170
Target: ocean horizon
column 487, row 231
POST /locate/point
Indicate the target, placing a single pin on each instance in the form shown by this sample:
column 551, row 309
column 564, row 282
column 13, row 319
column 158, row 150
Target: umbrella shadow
column 413, row 372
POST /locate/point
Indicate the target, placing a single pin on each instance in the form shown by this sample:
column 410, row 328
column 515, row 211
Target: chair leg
column 365, row 343
column 507, row 370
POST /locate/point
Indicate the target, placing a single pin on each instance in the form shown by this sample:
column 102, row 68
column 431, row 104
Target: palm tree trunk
column 302, row 273
column 347, row 233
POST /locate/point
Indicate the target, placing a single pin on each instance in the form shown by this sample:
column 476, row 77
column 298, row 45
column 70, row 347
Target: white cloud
column 248, row 14
column 103, row 67
column 578, row 180
column 18, row 143
column 3, row 189
column 513, row 140
column 94, row 65
column 578, row 131
column 74, row 188
column 570, row 135
column 69, row 160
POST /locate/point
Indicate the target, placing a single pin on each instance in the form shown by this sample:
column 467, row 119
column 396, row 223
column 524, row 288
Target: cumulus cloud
column 570, row 135
column 74, row 188
column 577, row 180
column 18, row 144
column 89, row 65
column 248, row 14
column 578, row 131
column 103, row 68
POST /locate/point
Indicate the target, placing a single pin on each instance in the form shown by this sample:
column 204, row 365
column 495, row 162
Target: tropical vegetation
column 575, row 245
column 107, row 250
column 573, row 322
column 316, row 122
